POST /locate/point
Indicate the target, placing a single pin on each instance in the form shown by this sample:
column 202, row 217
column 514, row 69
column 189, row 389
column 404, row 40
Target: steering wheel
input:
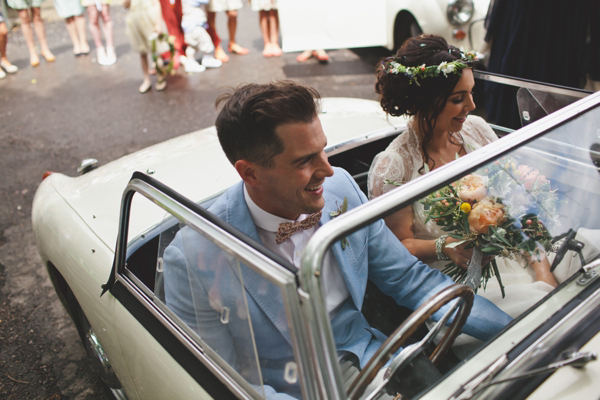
column 410, row 326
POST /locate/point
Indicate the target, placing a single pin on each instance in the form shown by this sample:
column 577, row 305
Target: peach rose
column 484, row 214
column 472, row 188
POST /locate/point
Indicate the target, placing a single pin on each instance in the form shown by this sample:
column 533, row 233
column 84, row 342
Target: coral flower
column 484, row 214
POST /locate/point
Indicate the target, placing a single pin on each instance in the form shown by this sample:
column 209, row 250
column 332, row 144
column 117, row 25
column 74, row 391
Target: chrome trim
column 529, row 84
column 545, row 343
column 361, row 141
column 255, row 260
column 365, row 214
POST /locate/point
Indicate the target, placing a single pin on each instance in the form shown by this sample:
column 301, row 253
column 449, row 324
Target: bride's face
column 458, row 105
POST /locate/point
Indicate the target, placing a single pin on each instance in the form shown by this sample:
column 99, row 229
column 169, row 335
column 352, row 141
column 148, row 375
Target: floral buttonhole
column 340, row 210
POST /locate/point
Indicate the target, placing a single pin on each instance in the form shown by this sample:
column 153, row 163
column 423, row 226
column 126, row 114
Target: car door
column 175, row 344
column 332, row 24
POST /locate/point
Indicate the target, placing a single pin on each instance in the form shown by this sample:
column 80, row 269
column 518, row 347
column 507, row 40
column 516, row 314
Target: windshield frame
column 314, row 253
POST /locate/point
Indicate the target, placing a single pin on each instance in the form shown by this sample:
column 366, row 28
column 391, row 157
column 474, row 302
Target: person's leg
column 274, row 33
column 3, row 41
column 146, row 83
column 81, row 33
column 38, row 25
column 219, row 52
column 72, row 31
column 95, row 30
column 6, row 65
column 28, row 34
column 234, row 47
column 263, row 21
column 107, row 30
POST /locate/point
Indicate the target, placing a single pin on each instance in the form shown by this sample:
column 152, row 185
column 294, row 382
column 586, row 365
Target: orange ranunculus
column 484, row 214
column 472, row 188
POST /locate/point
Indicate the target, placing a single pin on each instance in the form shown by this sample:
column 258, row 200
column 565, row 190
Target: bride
column 432, row 82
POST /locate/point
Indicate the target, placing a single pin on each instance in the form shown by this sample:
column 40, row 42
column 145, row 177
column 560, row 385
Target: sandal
column 304, row 56
column 321, row 56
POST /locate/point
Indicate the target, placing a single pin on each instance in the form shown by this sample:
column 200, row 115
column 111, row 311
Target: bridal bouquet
column 502, row 210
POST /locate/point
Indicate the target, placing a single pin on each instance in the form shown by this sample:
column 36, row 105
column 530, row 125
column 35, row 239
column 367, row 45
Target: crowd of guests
column 195, row 43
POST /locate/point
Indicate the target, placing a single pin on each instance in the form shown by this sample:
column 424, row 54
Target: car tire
column 110, row 383
column 108, row 378
column 405, row 27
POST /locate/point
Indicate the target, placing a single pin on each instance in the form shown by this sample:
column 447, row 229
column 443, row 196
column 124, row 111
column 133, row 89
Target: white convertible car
column 102, row 236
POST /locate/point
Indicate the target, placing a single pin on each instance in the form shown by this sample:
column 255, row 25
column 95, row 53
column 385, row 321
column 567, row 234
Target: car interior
column 380, row 310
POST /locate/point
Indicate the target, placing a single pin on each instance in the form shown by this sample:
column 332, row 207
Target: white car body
column 77, row 220
column 335, row 24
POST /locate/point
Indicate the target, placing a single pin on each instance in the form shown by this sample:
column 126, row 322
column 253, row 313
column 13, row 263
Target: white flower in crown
column 447, row 68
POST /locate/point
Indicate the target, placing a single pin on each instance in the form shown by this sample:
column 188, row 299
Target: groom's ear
column 247, row 171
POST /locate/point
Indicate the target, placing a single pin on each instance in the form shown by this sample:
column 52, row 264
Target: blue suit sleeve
column 410, row 282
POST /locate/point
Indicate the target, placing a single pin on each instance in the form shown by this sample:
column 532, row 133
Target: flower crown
column 422, row 71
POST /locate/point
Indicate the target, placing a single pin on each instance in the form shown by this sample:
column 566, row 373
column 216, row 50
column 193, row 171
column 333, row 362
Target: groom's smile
column 294, row 185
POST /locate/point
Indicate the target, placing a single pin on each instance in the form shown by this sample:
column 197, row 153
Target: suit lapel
column 344, row 257
column 263, row 292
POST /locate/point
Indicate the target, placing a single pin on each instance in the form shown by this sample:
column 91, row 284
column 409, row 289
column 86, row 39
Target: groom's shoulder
column 221, row 204
column 342, row 184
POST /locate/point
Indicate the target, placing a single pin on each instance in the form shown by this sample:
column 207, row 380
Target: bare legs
column 269, row 28
column 77, row 34
column 39, row 31
column 5, row 65
column 146, row 84
column 219, row 52
column 233, row 47
column 105, row 56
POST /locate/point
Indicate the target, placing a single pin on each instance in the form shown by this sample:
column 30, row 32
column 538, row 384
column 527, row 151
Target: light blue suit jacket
column 374, row 253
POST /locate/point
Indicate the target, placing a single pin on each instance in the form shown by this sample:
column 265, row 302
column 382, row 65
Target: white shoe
column 209, row 61
column 8, row 67
column 2, row 74
column 111, row 56
column 191, row 66
column 101, row 56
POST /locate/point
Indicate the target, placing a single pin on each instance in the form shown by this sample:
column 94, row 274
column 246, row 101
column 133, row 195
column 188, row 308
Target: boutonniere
column 340, row 210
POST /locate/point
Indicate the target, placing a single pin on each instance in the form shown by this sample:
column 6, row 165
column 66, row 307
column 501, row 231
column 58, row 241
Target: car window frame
column 138, row 299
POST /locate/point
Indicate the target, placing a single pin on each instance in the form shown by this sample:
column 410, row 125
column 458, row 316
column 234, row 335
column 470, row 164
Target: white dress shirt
column 331, row 276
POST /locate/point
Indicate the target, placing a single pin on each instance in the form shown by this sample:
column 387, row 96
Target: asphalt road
column 55, row 115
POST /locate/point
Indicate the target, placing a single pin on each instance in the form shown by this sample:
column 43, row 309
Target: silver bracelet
column 439, row 243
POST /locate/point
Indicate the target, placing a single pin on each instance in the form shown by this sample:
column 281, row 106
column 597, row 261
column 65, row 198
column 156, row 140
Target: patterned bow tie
column 287, row 229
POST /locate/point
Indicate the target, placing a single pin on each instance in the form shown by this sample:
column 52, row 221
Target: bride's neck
column 439, row 140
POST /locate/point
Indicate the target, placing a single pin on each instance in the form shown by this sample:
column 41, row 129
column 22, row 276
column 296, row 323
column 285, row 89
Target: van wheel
column 405, row 27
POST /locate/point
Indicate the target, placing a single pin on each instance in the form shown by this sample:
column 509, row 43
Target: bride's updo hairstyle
column 424, row 89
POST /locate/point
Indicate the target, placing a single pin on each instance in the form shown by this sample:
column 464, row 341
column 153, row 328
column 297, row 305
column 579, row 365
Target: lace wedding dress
column 401, row 162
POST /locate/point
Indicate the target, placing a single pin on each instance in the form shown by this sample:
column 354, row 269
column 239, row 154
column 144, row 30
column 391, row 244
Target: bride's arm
column 401, row 224
column 542, row 270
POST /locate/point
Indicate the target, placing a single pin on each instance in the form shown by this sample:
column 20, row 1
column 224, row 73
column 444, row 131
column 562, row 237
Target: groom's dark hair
column 246, row 124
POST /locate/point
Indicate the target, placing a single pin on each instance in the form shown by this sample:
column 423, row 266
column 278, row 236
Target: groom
column 272, row 135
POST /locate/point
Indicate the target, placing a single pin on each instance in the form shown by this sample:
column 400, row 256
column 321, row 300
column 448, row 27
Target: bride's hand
column 461, row 256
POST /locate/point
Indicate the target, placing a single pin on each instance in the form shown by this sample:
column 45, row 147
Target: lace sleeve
column 387, row 172
column 479, row 133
